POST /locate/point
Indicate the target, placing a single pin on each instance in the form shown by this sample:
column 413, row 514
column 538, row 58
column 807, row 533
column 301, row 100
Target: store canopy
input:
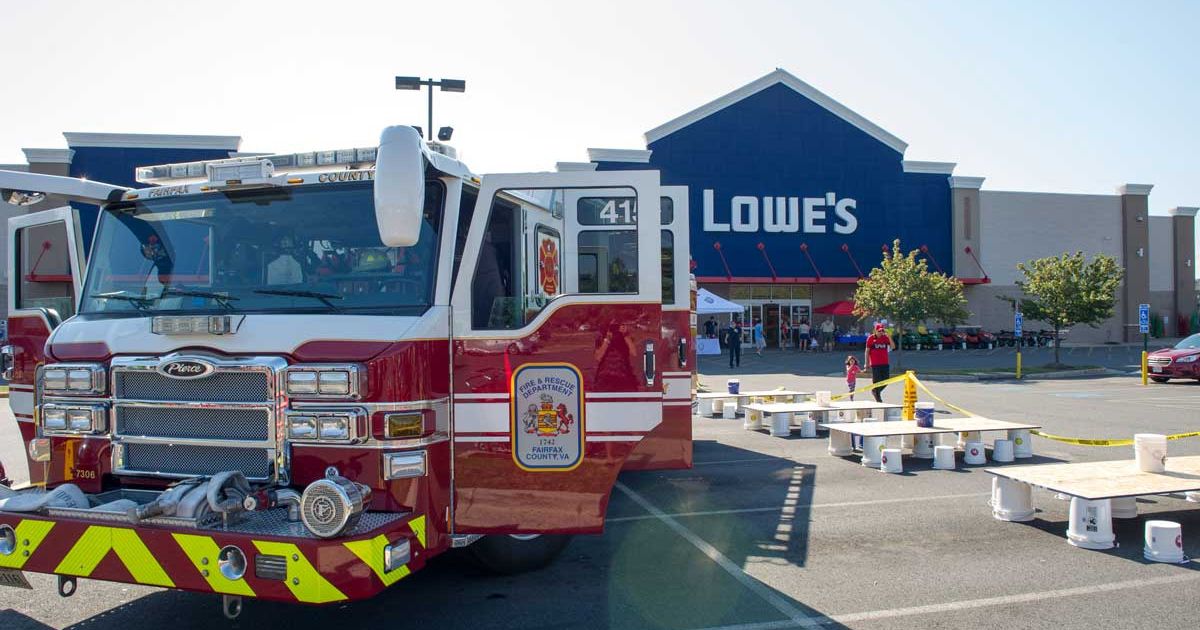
column 707, row 303
column 840, row 307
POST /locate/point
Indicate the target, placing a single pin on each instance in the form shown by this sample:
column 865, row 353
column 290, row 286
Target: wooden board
column 804, row 407
column 865, row 405
column 1108, row 480
column 977, row 423
column 727, row 395
column 882, row 429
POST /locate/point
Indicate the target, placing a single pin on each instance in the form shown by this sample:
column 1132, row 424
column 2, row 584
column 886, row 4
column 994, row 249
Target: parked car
column 1182, row 361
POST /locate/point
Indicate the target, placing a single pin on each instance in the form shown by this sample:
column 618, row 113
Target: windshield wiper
column 140, row 302
column 316, row 295
column 220, row 298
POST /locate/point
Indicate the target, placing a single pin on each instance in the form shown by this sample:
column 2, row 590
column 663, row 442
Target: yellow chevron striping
column 30, row 533
column 303, row 580
column 202, row 548
column 417, row 525
column 97, row 541
column 371, row 553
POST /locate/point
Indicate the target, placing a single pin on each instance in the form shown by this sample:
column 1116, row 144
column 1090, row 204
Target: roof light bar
column 257, row 167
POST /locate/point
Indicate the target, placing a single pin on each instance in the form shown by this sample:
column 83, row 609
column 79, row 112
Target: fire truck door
column 669, row 445
column 557, row 374
column 44, row 284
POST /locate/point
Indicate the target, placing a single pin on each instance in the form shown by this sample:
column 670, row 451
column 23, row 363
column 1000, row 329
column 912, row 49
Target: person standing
column 734, row 341
column 852, row 370
column 805, row 331
column 827, row 334
column 879, row 344
column 760, row 340
column 710, row 327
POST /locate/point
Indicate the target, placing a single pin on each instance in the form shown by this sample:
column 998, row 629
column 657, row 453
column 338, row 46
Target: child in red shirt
column 852, row 370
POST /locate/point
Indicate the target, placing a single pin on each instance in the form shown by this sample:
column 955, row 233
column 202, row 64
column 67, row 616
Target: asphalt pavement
column 767, row 533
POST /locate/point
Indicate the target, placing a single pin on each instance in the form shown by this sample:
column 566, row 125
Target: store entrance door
column 771, row 324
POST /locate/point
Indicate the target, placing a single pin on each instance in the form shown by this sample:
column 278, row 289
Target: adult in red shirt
column 879, row 344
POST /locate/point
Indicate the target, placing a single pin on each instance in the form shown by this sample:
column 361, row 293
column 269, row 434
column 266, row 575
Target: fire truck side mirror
column 399, row 186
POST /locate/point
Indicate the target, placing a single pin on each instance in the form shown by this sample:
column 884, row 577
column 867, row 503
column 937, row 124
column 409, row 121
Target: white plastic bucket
column 734, row 385
column 1091, row 524
column 1011, row 500
column 923, row 446
column 872, row 451
column 839, row 444
column 808, row 428
column 924, row 414
column 948, row 439
column 781, row 424
column 943, row 457
column 824, row 398
column 973, row 454
column 1150, row 451
column 1022, row 443
column 729, row 411
column 1002, row 451
column 1164, row 542
column 890, row 461
column 706, row 407
column 891, row 415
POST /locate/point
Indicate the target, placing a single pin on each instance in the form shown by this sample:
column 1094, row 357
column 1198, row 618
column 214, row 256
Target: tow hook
column 66, row 586
column 231, row 606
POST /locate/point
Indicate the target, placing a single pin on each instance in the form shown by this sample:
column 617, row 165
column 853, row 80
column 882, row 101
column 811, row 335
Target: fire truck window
column 44, row 269
column 611, row 257
column 668, row 267
column 494, row 287
column 667, row 210
column 466, row 210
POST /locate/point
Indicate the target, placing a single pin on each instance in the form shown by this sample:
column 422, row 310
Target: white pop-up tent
column 708, row 303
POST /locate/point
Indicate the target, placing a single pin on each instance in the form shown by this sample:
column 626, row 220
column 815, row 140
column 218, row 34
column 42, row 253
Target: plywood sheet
column 977, row 423
column 1107, row 480
column 776, row 392
column 882, row 429
column 847, row 405
column 803, row 407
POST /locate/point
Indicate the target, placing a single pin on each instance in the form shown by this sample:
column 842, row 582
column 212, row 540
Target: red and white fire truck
column 300, row 377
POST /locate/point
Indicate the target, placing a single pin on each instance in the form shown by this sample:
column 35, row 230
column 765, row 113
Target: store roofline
column 151, row 141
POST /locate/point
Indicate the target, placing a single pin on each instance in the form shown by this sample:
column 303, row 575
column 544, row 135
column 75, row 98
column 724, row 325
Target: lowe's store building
column 792, row 198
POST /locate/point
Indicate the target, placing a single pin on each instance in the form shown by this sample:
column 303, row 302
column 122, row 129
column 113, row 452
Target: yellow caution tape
column 864, row 390
column 1058, row 438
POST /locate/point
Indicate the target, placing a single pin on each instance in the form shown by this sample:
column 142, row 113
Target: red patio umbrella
column 840, row 307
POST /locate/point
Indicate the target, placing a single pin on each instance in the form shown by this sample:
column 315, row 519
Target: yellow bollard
column 908, row 412
column 1145, row 368
column 1018, row 365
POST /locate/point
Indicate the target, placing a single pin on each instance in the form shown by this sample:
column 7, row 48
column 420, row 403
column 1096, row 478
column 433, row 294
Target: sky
column 1040, row 96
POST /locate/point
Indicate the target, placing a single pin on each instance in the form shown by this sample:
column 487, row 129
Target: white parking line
column 796, row 618
column 969, row 604
column 791, row 509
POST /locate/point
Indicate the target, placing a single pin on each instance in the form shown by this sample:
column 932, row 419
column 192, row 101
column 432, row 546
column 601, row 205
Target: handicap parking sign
column 1018, row 323
column 1143, row 318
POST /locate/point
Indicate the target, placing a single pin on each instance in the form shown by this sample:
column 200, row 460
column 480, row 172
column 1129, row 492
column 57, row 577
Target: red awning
column 840, row 307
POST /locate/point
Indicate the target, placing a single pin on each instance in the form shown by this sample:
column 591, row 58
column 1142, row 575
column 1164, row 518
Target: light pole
column 446, row 85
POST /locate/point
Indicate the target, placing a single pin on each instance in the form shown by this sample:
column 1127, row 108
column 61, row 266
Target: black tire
column 507, row 555
column 1159, row 379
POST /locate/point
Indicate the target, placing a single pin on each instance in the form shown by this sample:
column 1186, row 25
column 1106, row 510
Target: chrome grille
column 190, row 459
column 223, row 423
column 220, row 386
column 1159, row 360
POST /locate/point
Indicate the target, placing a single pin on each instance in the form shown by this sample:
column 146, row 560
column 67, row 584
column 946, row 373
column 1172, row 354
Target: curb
column 1012, row 376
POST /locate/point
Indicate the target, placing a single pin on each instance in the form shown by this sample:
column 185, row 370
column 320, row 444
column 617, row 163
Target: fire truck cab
column 299, row 377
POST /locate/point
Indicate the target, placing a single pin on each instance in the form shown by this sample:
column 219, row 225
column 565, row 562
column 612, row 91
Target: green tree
column 903, row 291
column 1068, row 290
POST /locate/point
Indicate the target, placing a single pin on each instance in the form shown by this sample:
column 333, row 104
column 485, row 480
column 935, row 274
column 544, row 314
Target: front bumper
column 298, row 567
column 1175, row 370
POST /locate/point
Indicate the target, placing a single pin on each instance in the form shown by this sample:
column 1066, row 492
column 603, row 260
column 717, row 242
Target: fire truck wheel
column 508, row 554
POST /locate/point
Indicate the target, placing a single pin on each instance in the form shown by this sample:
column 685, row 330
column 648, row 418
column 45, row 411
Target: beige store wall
column 1020, row 226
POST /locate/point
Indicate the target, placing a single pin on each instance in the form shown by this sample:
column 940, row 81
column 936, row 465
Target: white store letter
column 710, row 221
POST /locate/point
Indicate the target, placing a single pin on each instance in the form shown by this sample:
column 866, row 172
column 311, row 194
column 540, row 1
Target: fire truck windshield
column 277, row 250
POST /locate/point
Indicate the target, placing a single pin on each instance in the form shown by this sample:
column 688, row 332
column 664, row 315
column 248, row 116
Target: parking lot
column 774, row 533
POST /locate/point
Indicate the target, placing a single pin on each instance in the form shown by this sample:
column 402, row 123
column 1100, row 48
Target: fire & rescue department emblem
column 547, row 417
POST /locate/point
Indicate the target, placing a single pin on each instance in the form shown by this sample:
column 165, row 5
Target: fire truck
column 300, row 377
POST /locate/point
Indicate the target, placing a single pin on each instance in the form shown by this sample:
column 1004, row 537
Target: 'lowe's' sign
column 775, row 178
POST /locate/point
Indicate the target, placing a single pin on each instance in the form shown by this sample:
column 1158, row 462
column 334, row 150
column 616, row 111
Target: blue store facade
column 793, row 197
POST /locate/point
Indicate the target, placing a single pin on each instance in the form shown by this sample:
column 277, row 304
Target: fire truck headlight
column 54, row 419
column 334, row 428
column 302, row 427
column 301, row 383
column 396, row 555
column 84, row 379
column 39, row 450
column 73, row 419
column 231, row 562
column 336, row 380
column 403, row 425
